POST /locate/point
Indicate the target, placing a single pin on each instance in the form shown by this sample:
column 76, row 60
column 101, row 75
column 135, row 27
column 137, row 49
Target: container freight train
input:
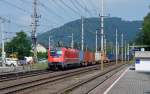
column 63, row 58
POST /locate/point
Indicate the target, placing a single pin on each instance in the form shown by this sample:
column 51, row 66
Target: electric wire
column 49, row 10
column 75, row 5
column 81, row 6
column 13, row 5
column 77, row 13
column 63, row 9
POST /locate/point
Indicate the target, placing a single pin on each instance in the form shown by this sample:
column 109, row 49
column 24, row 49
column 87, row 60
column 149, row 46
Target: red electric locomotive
column 61, row 58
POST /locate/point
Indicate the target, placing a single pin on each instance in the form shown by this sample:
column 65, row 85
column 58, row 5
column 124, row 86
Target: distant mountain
column 63, row 33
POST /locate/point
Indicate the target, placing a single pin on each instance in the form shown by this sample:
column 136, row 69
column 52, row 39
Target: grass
column 40, row 66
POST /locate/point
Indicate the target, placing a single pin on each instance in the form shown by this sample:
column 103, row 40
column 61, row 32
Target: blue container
column 111, row 57
column 81, row 56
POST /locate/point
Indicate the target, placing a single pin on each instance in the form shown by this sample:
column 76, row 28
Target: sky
column 54, row 13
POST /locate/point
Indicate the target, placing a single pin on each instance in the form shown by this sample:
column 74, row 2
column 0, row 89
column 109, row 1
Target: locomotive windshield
column 55, row 53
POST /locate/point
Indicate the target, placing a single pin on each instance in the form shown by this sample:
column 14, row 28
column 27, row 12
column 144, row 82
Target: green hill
column 62, row 33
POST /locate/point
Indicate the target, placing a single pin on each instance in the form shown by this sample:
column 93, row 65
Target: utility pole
column 125, row 51
column 96, row 42
column 119, row 50
column 102, row 35
column 128, row 51
column 49, row 42
column 116, row 46
column 3, row 20
column 122, row 53
column 3, row 43
column 34, row 29
column 105, row 45
column 72, row 43
column 82, row 35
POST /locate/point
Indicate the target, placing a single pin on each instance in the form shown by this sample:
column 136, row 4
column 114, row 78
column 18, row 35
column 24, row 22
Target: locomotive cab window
column 55, row 53
column 52, row 53
column 59, row 52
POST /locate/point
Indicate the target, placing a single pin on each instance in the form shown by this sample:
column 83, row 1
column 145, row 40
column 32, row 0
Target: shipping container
column 111, row 57
column 97, row 56
column 89, row 57
column 81, row 56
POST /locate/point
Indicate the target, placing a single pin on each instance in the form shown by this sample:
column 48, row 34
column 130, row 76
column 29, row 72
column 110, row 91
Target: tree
column 144, row 36
column 146, row 30
column 19, row 44
column 42, row 55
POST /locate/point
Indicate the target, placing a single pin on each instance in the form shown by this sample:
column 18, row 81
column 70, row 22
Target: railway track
column 19, row 75
column 82, row 87
column 14, row 76
column 30, row 84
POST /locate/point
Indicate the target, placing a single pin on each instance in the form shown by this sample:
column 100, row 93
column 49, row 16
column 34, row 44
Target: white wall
column 142, row 65
column 41, row 48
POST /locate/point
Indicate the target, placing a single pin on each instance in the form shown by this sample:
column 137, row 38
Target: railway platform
column 128, row 82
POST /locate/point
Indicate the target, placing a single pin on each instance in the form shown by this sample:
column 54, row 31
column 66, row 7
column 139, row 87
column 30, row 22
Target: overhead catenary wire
column 44, row 18
column 62, row 7
column 24, row 1
column 93, row 6
column 83, row 7
column 77, row 13
column 13, row 5
column 74, row 4
column 22, row 9
column 46, row 12
column 47, row 19
column 86, row 7
column 56, row 5
column 49, row 10
column 19, row 8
